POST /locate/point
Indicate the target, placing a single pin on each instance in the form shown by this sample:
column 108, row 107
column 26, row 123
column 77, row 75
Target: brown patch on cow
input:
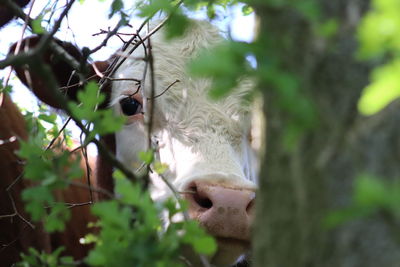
column 17, row 236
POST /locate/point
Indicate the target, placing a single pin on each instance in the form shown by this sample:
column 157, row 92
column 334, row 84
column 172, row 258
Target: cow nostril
column 201, row 199
column 249, row 207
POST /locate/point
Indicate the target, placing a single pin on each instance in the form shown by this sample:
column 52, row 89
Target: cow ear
column 67, row 77
column 6, row 14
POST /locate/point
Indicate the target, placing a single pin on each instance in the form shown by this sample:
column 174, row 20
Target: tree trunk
column 301, row 185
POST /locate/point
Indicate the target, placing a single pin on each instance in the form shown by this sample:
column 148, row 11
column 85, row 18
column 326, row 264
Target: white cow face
column 203, row 142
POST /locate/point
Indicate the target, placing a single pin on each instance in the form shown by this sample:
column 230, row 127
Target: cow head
column 203, row 142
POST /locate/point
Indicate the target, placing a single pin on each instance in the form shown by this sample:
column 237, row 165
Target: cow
column 205, row 143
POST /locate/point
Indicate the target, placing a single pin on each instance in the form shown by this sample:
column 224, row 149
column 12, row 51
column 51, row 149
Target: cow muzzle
column 226, row 213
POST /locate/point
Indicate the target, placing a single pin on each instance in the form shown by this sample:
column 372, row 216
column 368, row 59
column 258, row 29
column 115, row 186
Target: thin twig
column 136, row 45
column 58, row 134
column 150, row 103
column 14, row 207
column 8, row 215
column 18, row 46
column 105, row 40
column 122, row 79
column 71, row 205
column 93, row 188
column 101, row 75
column 88, row 169
column 176, row 195
column 187, row 192
column 165, row 90
column 4, row 246
column 47, row 38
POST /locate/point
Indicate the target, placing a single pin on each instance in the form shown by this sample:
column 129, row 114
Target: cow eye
column 130, row 106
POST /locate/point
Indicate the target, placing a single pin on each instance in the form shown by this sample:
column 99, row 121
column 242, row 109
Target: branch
column 14, row 207
column 93, row 188
column 105, row 40
column 44, row 42
column 18, row 46
column 166, row 89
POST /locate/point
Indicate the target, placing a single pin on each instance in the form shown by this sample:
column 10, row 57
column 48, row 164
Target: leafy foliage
column 37, row 25
column 133, row 232
column 48, row 170
column 384, row 88
column 146, row 156
column 379, row 39
column 5, row 89
column 54, row 259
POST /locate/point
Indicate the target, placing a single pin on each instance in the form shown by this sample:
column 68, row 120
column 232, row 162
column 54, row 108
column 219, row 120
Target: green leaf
column 370, row 191
column 211, row 14
column 36, row 198
column 104, row 121
column 339, row 217
column 170, row 205
column 37, row 25
column 146, row 156
column 50, row 118
column 90, row 96
column 96, row 258
column 129, row 193
column 247, row 10
column 89, row 239
column 35, row 258
column 196, row 236
column 328, row 28
column 116, row 6
column 5, row 89
column 379, row 30
column 384, row 88
column 112, row 215
column 224, row 64
column 57, row 217
column 159, row 167
column 107, row 122
column 31, row 148
column 67, row 261
column 49, row 180
column 148, row 10
column 89, row 99
column 205, row 245
column 309, row 9
column 176, row 25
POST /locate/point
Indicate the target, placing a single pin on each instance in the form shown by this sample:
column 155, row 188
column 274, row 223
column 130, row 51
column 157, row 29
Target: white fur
column 199, row 139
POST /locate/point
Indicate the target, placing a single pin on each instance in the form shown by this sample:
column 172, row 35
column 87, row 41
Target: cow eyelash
column 130, row 106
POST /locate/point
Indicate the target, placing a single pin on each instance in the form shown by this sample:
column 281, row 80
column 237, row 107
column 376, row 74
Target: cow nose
column 225, row 212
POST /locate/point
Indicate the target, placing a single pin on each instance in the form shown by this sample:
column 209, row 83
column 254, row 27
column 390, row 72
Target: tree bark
column 300, row 186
